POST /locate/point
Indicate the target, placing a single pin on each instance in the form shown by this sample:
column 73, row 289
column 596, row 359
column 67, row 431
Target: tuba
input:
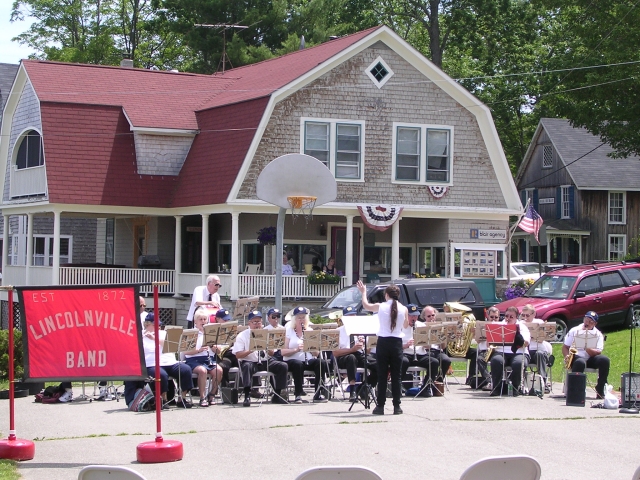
column 459, row 347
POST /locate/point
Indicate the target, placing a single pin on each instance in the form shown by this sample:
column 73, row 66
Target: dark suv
column 419, row 291
column 564, row 295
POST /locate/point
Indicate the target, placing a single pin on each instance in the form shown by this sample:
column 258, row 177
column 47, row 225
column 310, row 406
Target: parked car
column 419, row 291
column 524, row 271
column 564, row 295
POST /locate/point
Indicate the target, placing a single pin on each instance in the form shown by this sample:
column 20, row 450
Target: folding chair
column 513, row 467
column 108, row 472
column 252, row 268
column 339, row 473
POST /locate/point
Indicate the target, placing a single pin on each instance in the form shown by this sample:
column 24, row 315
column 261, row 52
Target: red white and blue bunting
column 438, row 192
column 379, row 217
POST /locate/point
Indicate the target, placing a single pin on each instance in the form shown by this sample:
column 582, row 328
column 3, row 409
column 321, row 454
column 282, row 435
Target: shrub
column 4, row 356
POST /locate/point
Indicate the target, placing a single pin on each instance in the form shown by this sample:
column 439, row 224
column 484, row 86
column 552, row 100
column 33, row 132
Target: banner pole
column 160, row 450
column 14, row 448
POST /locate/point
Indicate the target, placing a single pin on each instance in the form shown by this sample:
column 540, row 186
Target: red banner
column 81, row 333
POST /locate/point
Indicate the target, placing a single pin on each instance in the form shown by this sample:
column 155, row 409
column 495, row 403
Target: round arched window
column 30, row 153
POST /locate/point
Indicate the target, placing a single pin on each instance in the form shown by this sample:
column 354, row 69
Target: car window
column 461, row 295
column 349, row 297
column 611, row 280
column 551, row 286
column 377, row 297
column 430, row 296
column 589, row 285
column 632, row 273
column 526, row 269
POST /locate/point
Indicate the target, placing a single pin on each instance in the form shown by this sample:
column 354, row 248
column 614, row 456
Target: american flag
column 531, row 222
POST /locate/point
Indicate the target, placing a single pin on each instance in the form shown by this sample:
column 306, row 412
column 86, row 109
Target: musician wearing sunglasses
column 539, row 351
column 252, row 361
column 477, row 360
column 206, row 295
column 415, row 356
column 515, row 355
column 437, row 351
column 298, row 360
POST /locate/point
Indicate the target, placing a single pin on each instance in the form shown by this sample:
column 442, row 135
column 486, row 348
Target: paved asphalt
column 435, row 437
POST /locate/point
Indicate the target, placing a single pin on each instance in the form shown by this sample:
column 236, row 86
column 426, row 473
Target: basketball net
column 301, row 205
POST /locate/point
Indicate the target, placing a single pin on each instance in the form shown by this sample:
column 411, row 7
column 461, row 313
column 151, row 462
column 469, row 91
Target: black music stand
column 369, row 394
column 632, row 406
column 320, row 341
column 262, row 340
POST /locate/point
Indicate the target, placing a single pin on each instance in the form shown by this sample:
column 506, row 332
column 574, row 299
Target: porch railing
column 293, row 286
column 106, row 276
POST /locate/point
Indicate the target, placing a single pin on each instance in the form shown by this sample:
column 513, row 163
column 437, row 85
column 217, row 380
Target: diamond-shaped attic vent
column 379, row 72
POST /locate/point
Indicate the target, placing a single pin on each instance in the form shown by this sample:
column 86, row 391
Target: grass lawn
column 8, row 470
column 616, row 347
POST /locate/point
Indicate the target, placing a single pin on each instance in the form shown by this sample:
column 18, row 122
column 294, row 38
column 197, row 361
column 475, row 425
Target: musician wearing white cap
column 415, row 356
column 252, row 361
column 590, row 357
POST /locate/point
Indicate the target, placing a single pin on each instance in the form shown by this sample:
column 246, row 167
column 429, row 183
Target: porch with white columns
column 178, row 254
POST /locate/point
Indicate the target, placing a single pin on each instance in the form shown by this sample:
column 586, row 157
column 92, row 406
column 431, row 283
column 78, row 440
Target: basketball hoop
column 301, row 205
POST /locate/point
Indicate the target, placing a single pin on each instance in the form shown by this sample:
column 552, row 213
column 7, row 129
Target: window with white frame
column 617, row 247
column 30, row 153
column 617, row 208
column 547, row 156
column 42, row 250
column 565, row 199
column 339, row 144
column 379, row 72
column 422, row 153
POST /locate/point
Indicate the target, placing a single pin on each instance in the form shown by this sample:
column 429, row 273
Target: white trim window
column 422, row 154
column 617, row 208
column 617, row 247
column 339, row 144
column 379, row 72
column 565, row 201
column 42, row 250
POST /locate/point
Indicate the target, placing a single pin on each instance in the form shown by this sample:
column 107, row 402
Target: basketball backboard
column 296, row 174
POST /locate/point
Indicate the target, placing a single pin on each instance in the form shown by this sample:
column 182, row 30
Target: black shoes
column 182, row 403
column 426, row 392
column 277, row 399
column 379, row 410
column 397, row 410
column 353, row 396
column 247, row 401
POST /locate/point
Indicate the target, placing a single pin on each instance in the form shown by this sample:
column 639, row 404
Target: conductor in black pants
column 392, row 316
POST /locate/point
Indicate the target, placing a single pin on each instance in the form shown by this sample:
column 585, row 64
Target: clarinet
column 415, row 357
column 306, row 360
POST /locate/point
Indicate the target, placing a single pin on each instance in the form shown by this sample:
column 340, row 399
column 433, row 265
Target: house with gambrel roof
column 589, row 201
column 167, row 163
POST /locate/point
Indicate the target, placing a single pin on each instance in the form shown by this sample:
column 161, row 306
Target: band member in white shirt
column 416, row 356
column 539, row 352
column 589, row 357
column 516, row 355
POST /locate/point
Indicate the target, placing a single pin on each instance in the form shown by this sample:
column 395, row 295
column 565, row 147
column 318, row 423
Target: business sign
column 546, row 201
column 480, row 234
column 81, row 333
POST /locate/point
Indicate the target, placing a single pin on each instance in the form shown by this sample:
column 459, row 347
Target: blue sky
column 11, row 52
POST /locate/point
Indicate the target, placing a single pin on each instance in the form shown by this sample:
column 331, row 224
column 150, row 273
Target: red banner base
column 159, row 452
column 17, row 449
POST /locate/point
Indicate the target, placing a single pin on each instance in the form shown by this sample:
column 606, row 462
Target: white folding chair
column 108, row 472
column 513, row 467
column 636, row 474
column 252, row 268
column 339, row 473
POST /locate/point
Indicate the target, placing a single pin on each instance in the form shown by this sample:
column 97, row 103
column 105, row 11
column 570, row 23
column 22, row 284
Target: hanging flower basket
column 323, row 278
column 267, row 235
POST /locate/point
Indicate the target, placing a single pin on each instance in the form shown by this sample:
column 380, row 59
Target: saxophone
column 572, row 353
column 487, row 356
column 459, row 347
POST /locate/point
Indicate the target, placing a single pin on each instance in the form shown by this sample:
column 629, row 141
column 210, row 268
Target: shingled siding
column 27, row 115
column 595, row 218
column 161, row 154
column 347, row 93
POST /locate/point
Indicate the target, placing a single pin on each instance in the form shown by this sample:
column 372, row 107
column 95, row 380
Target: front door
column 339, row 250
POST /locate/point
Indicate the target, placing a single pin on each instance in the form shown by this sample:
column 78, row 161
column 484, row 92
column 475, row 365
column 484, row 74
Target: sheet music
column 448, row 317
column 188, row 340
column 361, row 325
column 172, row 339
column 220, row 334
column 541, row 332
column 261, row 339
column 421, row 336
column 321, row 340
column 586, row 339
column 480, row 333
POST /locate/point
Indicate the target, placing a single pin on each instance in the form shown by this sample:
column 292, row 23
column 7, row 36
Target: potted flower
column 323, row 278
column 267, row 235
column 518, row 289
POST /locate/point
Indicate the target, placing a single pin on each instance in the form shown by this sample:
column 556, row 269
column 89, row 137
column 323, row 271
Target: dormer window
column 379, row 72
column 30, row 152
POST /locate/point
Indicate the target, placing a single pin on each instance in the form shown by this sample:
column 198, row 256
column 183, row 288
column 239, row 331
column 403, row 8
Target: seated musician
column 437, row 351
column 224, row 356
column 299, row 360
column 515, row 355
column 201, row 359
column 416, row 356
column 539, row 352
column 478, row 362
column 351, row 356
column 252, row 361
column 273, row 317
column 169, row 366
column 589, row 357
